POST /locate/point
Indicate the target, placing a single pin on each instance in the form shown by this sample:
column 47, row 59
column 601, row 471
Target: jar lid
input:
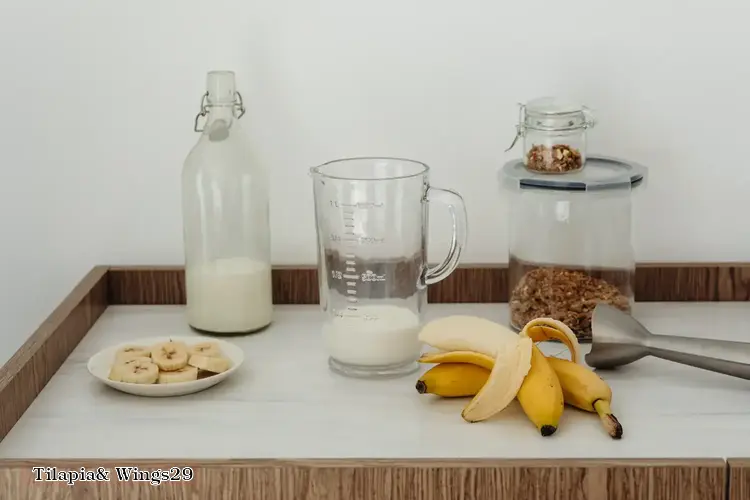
column 554, row 113
column 552, row 106
column 599, row 172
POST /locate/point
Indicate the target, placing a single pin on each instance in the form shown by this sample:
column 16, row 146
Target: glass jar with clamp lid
column 553, row 133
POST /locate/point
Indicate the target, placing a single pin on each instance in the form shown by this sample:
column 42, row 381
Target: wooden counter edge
column 386, row 479
column 739, row 478
column 27, row 372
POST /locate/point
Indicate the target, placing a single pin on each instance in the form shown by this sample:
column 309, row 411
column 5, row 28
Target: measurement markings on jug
column 370, row 204
column 353, row 239
column 345, row 314
column 369, row 240
column 360, row 204
column 371, row 276
column 353, row 314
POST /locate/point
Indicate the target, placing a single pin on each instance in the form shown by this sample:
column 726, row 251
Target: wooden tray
column 509, row 476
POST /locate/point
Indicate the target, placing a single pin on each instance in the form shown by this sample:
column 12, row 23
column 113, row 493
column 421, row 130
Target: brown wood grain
column 387, row 480
column 32, row 366
column 165, row 285
column 739, row 478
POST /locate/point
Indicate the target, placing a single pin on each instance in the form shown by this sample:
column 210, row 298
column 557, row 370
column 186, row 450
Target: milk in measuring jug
column 229, row 295
column 379, row 335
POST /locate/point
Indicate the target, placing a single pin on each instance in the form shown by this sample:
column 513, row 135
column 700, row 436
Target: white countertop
column 285, row 403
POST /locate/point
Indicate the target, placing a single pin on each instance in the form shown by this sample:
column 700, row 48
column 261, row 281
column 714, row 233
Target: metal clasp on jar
column 239, row 109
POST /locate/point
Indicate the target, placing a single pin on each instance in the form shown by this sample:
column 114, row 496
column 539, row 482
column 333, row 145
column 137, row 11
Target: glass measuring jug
column 372, row 220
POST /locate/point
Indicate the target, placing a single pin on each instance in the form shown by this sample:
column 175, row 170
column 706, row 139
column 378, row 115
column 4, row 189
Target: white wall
column 98, row 100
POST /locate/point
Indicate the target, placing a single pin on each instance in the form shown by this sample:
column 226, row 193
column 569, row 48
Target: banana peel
column 467, row 333
column 509, row 352
column 544, row 329
column 512, row 364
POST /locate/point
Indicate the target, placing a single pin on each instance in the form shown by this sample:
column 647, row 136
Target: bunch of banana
column 484, row 360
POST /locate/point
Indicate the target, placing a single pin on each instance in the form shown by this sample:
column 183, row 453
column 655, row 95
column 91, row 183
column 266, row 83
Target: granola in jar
column 563, row 294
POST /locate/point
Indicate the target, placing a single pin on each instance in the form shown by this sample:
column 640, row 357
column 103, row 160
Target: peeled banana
column 453, row 380
column 541, row 395
column 585, row 390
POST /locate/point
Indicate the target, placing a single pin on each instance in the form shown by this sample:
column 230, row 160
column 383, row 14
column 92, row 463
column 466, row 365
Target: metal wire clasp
column 239, row 108
column 520, row 128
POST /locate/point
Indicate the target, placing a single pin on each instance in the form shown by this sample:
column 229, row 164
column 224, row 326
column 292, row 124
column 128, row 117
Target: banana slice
column 115, row 373
column 132, row 351
column 170, row 356
column 139, row 372
column 184, row 374
column 542, row 329
column 210, row 363
column 206, row 348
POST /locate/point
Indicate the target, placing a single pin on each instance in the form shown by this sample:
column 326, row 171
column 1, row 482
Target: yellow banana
column 585, row 390
column 471, row 357
column 541, row 395
column 453, row 380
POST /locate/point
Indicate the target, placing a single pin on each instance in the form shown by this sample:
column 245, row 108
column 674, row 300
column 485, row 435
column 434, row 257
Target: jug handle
column 457, row 209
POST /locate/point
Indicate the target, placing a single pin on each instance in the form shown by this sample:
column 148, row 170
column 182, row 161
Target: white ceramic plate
column 100, row 364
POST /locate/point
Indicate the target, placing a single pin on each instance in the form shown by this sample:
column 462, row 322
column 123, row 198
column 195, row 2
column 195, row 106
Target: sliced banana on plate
column 184, row 374
column 139, row 371
column 132, row 351
column 210, row 363
column 170, row 356
column 206, row 349
column 169, row 362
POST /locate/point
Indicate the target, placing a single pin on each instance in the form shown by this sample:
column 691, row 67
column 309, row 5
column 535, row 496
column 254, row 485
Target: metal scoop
column 619, row 339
